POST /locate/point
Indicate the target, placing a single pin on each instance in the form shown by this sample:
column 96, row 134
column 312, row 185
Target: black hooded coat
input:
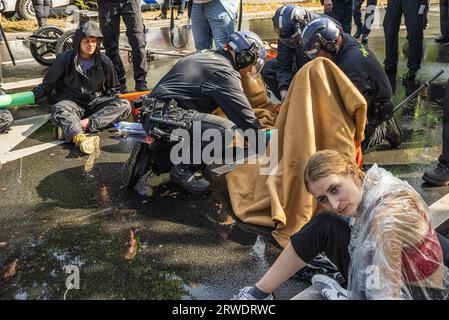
column 66, row 76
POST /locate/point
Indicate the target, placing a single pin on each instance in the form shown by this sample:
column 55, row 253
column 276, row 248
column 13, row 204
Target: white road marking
column 18, row 154
column 20, row 130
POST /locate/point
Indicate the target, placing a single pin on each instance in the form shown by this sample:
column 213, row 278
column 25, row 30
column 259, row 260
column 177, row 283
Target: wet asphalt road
column 58, row 210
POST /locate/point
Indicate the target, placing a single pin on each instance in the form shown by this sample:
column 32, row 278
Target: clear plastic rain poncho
column 395, row 252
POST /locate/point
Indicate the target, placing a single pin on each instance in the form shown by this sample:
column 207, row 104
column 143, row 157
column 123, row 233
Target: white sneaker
column 245, row 295
column 329, row 288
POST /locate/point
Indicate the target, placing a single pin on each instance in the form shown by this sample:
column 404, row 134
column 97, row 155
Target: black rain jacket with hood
column 66, row 76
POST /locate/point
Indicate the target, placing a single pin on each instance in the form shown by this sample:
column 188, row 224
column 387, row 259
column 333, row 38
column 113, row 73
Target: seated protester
column 391, row 235
column 323, row 38
column 440, row 175
column 195, row 86
column 85, row 81
column 288, row 21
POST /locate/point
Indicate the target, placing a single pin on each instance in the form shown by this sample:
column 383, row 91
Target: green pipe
column 16, row 99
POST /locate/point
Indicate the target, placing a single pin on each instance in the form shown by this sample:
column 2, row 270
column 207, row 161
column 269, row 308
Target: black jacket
column 364, row 70
column 66, row 76
column 204, row 80
column 289, row 61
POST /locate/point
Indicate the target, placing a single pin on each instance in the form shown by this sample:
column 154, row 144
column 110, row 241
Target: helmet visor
column 260, row 62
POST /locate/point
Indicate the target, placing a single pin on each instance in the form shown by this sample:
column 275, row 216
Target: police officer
column 415, row 14
column 42, row 10
column 322, row 37
column 191, row 90
column 364, row 28
column 444, row 22
column 440, row 175
column 288, row 21
column 340, row 10
column 110, row 12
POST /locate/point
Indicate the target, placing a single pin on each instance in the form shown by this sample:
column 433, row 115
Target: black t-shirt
column 204, row 80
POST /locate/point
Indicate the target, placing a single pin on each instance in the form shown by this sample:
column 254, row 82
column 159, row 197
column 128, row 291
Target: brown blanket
column 322, row 110
column 264, row 109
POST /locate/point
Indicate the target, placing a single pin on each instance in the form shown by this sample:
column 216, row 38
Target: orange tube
column 358, row 156
column 133, row 95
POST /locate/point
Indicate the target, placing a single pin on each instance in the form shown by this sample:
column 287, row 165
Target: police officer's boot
column 442, row 39
column 411, row 75
column 393, row 134
column 365, row 39
column 438, row 176
column 188, row 179
column 358, row 33
column 42, row 22
column 141, row 86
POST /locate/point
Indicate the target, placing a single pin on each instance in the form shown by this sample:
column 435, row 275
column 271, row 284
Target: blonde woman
column 389, row 250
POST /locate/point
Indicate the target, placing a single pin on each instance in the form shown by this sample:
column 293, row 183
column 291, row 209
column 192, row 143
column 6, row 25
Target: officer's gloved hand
column 386, row 110
column 283, row 93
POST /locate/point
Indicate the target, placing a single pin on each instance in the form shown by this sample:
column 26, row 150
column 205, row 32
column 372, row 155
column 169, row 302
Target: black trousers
column 342, row 11
column 444, row 17
column 365, row 27
column 329, row 233
column 180, row 5
column 445, row 155
column 41, row 7
column 268, row 74
column 109, row 15
column 415, row 21
column 103, row 112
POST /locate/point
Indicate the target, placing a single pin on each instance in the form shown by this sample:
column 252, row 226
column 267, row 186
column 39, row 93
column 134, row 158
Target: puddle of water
column 97, row 254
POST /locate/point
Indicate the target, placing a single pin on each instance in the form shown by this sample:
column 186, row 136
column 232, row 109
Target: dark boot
column 42, row 22
column 188, row 179
column 123, row 89
column 438, row 176
column 365, row 39
column 358, row 33
column 393, row 134
column 142, row 86
column 442, row 39
column 411, row 75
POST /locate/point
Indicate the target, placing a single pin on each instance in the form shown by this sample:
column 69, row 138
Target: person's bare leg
column 285, row 266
